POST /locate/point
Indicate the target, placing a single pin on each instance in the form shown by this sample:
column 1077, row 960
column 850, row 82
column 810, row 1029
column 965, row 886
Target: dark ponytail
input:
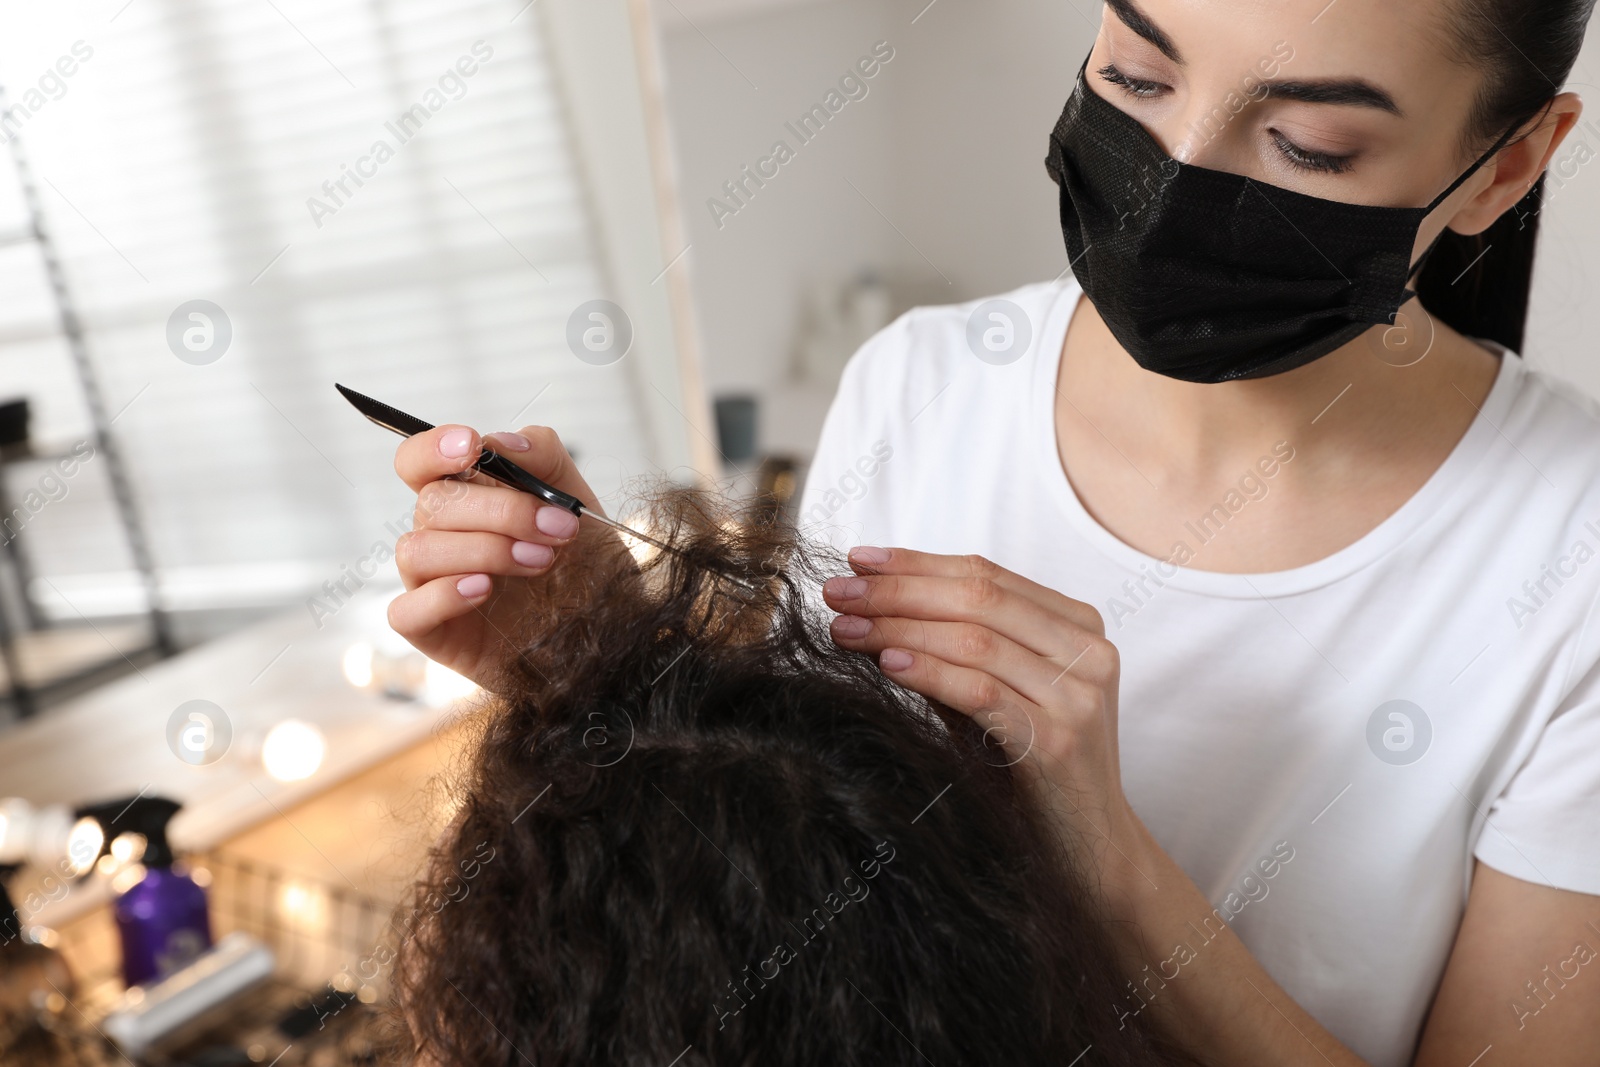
column 1480, row 285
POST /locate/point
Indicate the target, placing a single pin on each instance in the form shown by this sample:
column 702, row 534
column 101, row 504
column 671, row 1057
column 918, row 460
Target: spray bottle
column 162, row 920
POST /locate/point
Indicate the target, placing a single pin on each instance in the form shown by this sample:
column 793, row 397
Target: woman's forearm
column 1188, row 971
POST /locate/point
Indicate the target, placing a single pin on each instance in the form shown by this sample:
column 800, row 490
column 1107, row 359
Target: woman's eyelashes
column 1302, row 158
column 1308, row 160
column 1132, row 86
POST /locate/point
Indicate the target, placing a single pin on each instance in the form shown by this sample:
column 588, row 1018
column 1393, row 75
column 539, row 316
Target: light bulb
column 44, row 834
column 84, row 843
column 127, row 847
column 13, row 813
column 125, row 878
column 358, row 664
column 303, row 908
column 292, row 751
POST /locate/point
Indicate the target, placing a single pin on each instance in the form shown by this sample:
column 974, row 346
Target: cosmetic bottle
column 162, row 919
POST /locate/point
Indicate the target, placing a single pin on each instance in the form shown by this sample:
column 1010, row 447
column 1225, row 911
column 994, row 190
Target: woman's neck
column 1368, row 425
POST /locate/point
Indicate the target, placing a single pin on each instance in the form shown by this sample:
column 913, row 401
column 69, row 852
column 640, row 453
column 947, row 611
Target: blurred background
column 659, row 226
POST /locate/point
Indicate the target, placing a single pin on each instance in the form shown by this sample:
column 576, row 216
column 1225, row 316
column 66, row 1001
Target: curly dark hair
column 694, row 831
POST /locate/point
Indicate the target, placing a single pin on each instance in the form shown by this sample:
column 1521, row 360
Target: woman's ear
column 1514, row 170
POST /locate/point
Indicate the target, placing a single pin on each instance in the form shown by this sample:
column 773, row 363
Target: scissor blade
column 389, row 418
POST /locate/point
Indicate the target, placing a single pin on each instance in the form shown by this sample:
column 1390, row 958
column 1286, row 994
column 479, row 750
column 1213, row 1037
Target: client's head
column 694, row 831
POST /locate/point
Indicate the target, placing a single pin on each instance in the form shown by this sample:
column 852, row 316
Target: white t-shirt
column 1324, row 749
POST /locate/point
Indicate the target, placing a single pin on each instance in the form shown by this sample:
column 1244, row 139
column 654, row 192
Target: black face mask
column 1208, row 276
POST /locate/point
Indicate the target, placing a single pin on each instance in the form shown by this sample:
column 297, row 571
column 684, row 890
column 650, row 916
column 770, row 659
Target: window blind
column 379, row 193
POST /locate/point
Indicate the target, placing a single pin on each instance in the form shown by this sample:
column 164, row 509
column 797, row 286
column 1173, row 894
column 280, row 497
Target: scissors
column 504, row 471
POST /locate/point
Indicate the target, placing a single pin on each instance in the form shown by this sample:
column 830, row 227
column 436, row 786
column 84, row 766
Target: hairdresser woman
column 1259, row 564
column 1293, row 609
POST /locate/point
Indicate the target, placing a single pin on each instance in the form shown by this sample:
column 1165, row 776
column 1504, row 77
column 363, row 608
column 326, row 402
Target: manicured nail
column 869, row 555
column 556, row 522
column 511, row 442
column 530, row 554
column 846, row 588
column 852, row 626
column 474, row 586
column 455, row 444
column 894, row 659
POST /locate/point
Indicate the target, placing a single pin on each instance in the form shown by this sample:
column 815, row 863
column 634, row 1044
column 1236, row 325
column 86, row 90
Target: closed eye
column 1308, row 160
column 1301, row 158
column 1137, row 87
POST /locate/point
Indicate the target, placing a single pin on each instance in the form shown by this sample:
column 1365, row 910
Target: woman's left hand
column 1034, row 667
column 1030, row 665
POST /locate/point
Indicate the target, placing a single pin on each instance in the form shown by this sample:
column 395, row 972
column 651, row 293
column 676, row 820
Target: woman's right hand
column 473, row 559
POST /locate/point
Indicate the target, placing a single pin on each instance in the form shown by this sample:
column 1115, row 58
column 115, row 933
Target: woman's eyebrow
column 1351, row 92
column 1139, row 23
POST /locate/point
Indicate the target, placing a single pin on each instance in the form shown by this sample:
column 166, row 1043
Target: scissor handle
column 502, row 469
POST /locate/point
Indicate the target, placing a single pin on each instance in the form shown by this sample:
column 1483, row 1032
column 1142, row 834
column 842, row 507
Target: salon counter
column 364, row 818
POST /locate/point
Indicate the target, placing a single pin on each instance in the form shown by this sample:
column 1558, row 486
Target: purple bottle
column 162, row 920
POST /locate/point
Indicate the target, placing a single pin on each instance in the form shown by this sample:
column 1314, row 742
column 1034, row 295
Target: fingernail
column 511, row 442
column 852, row 626
column 474, row 586
column 846, row 588
column 530, row 554
column 869, row 555
column 455, row 444
column 557, row 522
column 894, row 659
